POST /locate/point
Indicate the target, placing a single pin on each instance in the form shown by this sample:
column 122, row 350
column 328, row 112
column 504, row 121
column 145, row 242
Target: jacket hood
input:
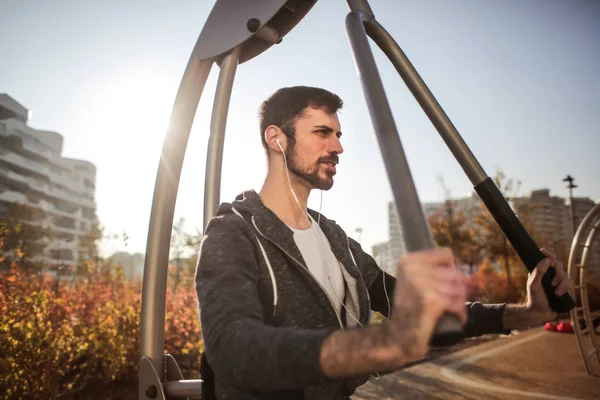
column 250, row 204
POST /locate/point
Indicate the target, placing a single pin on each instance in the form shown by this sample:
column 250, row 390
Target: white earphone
column 319, row 244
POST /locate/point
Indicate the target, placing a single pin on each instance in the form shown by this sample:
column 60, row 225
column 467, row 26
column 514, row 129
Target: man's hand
column 428, row 284
column 537, row 310
column 537, row 301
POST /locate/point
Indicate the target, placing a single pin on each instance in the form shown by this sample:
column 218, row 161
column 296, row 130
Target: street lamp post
column 571, row 186
column 359, row 231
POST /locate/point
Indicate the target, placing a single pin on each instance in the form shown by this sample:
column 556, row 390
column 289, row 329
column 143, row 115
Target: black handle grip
column 448, row 331
column 521, row 241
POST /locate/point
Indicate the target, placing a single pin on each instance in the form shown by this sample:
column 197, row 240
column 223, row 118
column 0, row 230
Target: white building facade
column 33, row 173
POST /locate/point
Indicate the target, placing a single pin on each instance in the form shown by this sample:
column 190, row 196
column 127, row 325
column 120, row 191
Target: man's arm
column 427, row 286
column 482, row 318
column 536, row 310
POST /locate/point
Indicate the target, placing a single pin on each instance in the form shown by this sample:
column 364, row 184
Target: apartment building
column 548, row 219
column 35, row 174
column 382, row 255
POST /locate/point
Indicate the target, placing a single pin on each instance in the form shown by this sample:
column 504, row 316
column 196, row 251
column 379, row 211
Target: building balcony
column 44, row 188
column 61, row 194
column 67, row 179
column 59, row 244
column 25, row 163
column 13, row 176
column 37, row 149
column 30, row 142
column 64, row 229
column 52, row 210
column 10, row 196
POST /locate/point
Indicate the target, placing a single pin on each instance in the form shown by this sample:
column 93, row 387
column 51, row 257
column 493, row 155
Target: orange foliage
column 490, row 286
column 57, row 339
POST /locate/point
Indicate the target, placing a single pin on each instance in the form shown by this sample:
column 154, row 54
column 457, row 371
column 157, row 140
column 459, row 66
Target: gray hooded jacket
column 264, row 317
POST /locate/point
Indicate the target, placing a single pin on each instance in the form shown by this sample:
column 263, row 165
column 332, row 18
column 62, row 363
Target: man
column 286, row 296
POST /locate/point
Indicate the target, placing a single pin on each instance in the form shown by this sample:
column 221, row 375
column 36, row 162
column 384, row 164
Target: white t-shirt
column 321, row 261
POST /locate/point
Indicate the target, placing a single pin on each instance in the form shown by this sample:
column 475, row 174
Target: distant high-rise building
column 469, row 206
column 132, row 264
column 387, row 254
column 33, row 173
column 397, row 247
column 383, row 257
column 548, row 219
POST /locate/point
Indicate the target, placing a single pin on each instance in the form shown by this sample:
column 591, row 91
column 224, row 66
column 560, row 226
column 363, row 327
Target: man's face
column 314, row 155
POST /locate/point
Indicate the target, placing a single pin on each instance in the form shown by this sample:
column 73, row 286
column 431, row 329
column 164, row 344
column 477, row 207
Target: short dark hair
column 286, row 105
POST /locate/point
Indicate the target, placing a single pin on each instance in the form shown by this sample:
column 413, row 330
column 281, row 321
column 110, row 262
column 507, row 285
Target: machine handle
column 524, row 245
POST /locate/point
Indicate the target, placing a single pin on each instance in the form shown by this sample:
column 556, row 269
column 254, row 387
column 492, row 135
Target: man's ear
column 275, row 138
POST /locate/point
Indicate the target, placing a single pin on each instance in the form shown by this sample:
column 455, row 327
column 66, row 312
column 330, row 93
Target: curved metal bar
column 163, row 208
column 583, row 284
column 214, row 157
column 430, row 105
column 577, row 273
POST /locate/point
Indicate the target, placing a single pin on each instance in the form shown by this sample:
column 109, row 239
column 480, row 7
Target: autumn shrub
column 58, row 338
column 489, row 286
column 183, row 337
column 38, row 348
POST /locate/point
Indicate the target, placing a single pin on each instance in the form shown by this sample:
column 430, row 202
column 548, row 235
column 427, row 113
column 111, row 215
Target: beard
column 310, row 175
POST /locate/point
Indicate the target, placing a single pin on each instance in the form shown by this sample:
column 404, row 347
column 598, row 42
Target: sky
column 519, row 80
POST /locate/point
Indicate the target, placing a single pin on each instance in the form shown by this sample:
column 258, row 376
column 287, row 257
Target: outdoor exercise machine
column 582, row 315
column 235, row 32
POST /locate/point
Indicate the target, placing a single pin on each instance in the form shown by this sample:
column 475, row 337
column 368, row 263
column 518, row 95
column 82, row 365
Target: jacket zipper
column 303, row 267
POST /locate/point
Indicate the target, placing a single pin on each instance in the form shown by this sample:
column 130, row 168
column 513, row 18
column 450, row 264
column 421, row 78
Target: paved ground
column 532, row 365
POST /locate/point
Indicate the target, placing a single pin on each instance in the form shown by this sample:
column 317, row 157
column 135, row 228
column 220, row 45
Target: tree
column 24, row 236
column 450, row 228
column 184, row 249
column 88, row 248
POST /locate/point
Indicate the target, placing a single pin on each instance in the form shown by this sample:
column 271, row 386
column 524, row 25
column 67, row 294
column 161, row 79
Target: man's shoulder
column 225, row 232
column 227, row 221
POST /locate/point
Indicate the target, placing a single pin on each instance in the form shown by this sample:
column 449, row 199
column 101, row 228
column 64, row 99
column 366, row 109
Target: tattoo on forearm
column 360, row 351
column 408, row 307
column 519, row 316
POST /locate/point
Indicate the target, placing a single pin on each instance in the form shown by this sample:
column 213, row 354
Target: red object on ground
column 550, row 326
column 565, row 327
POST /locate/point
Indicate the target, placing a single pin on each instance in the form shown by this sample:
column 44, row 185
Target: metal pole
column 152, row 327
column 214, row 158
column 412, row 219
column 571, row 186
column 410, row 213
column 430, row 105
